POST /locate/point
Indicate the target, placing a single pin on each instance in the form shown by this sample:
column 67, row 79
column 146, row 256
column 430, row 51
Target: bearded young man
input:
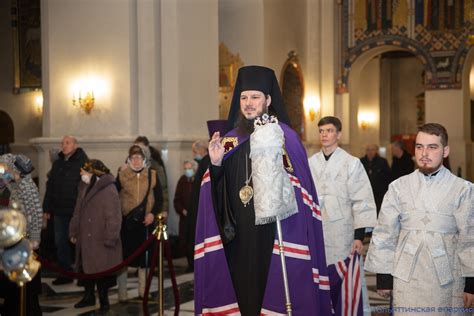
column 257, row 175
column 422, row 246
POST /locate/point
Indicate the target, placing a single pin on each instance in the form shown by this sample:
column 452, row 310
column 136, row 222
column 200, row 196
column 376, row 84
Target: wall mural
column 26, row 27
column 436, row 31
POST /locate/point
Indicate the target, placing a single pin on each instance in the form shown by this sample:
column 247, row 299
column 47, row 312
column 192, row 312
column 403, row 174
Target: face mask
column 7, row 176
column 86, row 178
column 189, row 173
column 198, row 157
column 137, row 168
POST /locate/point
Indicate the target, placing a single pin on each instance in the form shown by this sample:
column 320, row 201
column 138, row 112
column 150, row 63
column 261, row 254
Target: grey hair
column 200, row 144
column 192, row 162
column 399, row 144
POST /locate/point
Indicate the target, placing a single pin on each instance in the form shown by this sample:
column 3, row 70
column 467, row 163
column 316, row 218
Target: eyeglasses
column 136, row 157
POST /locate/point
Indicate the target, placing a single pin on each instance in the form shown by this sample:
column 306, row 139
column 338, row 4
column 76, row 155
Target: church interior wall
column 367, row 85
column 386, row 113
column 312, row 70
column 406, row 84
column 198, row 64
column 447, row 108
column 468, row 81
column 328, row 47
column 241, row 29
column 285, row 31
column 98, row 54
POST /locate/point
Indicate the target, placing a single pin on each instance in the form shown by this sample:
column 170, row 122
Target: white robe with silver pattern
column 425, row 238
column 346, row 200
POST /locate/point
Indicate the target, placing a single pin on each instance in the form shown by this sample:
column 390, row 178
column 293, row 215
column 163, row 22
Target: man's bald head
column 200, row 148
column 68, row 145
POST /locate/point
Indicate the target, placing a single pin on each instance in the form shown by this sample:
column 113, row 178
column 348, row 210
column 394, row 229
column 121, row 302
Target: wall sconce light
column 39, row 104
column 312, row 106
column 86, row 103
column 366, row 119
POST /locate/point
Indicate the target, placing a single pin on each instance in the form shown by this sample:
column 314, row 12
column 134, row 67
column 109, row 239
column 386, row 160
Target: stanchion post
column 161, row 236
column 22, row 299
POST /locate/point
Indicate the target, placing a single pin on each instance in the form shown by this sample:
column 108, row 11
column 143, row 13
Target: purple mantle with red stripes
column 304, row 250
column 346, row 286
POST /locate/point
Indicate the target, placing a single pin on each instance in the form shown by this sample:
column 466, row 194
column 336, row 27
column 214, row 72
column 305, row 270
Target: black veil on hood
column 261, row 79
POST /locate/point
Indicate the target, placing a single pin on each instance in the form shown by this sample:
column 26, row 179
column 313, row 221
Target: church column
column 241, row 29
column 312, row 70
column 188, row 78
column 328, row 52
column 320, row 63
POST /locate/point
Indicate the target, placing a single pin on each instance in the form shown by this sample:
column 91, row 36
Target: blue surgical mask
column 189, row 173
column 198, row 157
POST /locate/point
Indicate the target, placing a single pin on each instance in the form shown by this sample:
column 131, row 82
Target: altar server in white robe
column 422, row 248
column 345, row 195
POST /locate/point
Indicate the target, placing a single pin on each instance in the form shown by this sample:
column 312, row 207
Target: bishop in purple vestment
column 238, row 270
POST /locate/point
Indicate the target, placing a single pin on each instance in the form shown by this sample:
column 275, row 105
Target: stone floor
column 59, row 300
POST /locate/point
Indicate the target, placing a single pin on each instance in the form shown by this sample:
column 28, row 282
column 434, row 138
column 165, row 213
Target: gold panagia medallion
column 246, row 194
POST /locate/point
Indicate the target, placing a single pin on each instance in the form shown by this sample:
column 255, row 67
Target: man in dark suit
column 378, row 171
column 402, row 162
column 60, row 199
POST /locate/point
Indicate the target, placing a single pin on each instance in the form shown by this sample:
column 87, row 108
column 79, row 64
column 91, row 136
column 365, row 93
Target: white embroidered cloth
column 274, row 195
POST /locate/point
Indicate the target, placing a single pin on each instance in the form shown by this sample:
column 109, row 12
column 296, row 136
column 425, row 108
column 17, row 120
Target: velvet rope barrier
column 173, row 277
column 86, row 276
column 154, row 260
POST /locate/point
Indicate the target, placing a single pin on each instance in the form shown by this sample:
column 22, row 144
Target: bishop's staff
column 283, row 268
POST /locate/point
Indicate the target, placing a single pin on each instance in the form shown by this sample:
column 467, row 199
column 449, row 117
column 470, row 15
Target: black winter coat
column 379, row 175
column 62, row 185
column 402, row 166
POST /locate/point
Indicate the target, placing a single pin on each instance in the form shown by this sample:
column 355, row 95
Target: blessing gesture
column 216, row 150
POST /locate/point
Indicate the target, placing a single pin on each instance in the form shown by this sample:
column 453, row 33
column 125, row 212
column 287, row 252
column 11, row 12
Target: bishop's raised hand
column 216, row 150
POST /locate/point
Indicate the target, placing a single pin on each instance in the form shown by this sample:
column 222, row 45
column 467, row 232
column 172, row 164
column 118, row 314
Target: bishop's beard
column 245, row 126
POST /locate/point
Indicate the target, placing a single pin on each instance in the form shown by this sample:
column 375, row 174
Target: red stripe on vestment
column 356, row 285
column 207, row 245
column 222, row 313
column 307, row 198
column 206, row 177
column 346, row 298
column 342, row 267
column 293, row 250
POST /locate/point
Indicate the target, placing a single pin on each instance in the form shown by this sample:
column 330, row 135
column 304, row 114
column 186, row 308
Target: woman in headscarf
column 141, row 198
column 95, row 229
